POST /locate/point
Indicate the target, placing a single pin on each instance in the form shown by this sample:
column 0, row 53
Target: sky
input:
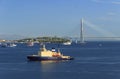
column 60, row 17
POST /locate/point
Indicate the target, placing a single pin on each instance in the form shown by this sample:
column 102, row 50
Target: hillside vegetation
column 45, row 39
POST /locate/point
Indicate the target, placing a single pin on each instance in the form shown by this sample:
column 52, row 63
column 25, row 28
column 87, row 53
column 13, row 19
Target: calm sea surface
column 93, row 60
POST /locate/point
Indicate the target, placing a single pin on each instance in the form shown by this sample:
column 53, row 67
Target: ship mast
column 81, row 32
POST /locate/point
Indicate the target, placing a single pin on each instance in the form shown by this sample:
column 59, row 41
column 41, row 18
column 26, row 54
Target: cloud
column 104, row 18
column 108, row 16
column 111, row 14
column 107, row 2
column 97, row 1
column 115, row 2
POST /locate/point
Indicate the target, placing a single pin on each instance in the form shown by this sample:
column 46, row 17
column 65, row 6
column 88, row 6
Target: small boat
column 67, row 43
column 45, row 54
column 4, row 45
column 30, row 43
column 12, row 45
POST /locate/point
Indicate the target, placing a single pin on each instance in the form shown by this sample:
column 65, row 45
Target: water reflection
column 52, row 61
column 50, row 68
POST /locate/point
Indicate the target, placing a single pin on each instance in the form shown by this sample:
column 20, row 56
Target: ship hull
column 39, row 58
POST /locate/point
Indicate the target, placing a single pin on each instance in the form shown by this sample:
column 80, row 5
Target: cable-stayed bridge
column 89, row 31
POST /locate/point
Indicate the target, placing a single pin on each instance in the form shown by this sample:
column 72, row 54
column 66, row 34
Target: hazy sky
column 59, row 17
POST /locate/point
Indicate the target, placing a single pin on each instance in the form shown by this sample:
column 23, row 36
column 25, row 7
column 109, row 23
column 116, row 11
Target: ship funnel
column 53, row 49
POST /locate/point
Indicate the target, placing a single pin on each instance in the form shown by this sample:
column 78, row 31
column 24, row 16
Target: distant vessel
column 8, row 45
column 45, row 54
column 30, row 43
column 67, row 43
column 12, row 45
column 3, row 45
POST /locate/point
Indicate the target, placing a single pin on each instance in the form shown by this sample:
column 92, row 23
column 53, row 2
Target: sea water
column 93, row 60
